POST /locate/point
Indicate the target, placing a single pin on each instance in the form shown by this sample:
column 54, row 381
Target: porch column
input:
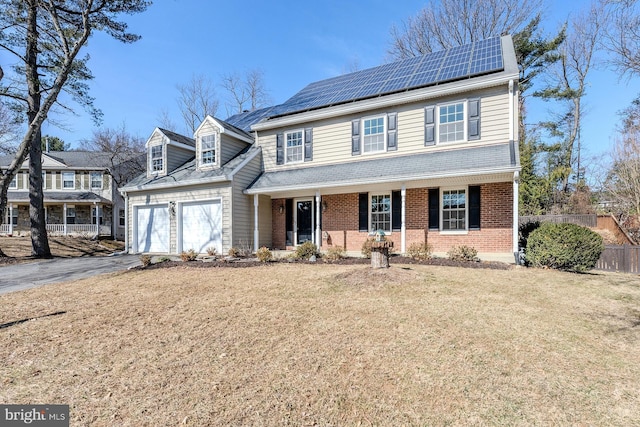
column 126, row 223
column 318, row 232
column 516, row 218
column 64, row 218
column 10, row 218
column 403, row 229
column 256, row 231
column 97, row 207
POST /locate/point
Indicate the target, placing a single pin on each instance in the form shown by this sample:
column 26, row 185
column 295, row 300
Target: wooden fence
column 589, row 220
column 622, row 258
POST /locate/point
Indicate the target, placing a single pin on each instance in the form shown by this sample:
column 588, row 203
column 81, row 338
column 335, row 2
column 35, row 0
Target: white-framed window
column 14, row 182
column 93, row 215
column 380, row 212
column 71, row 214
column 451, row 122
column 373, row 134
column 13, row 213
column 69, row 180
column 44, row 180
column 157, row 164
column 454, row 210
column 121, row 218
column 295, row 146
column 96, row 180
column 208, row 149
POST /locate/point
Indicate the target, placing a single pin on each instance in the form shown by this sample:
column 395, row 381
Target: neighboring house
column 425, row 149
column 80, row 196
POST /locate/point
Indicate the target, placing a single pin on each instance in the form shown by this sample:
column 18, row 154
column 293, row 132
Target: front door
column 304, row 221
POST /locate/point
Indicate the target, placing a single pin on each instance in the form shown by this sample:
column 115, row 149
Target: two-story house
column 80, row 196
column 424, row 149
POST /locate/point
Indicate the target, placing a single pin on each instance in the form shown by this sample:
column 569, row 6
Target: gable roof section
column 227, row 128
column 458, row 63
column 189, row 174
column 177, row 137
column 72, row 159
column 477, row 160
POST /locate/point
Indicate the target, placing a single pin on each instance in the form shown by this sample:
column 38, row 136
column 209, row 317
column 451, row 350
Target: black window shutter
column 473, row 125
column 474, row 208
column 434, row 209
column 280, row 149
column 392, row 131
column 289, row 221
column 396, row 210
column 363, row 211
column 355, row 137
column 308, row 144
column 430, row 125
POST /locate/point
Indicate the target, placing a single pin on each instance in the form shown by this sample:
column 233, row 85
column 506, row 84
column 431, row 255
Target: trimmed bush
column 419, row 251
column 306, row 250
column 211, row 251
column 463, row 253
column 234, row 252
column 145, row 260
column 525, row 230
column 264, row 254
column 568, row 247
column 335, row 253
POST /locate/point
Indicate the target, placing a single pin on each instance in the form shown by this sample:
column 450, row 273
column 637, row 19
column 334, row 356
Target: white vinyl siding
column 332, row 137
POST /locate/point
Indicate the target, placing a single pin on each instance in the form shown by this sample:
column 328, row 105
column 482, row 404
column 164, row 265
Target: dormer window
column 156, row 158
column 208, row 149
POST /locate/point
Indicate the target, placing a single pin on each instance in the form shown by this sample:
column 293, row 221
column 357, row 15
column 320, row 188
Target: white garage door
column 202, row 226
column 152, row 229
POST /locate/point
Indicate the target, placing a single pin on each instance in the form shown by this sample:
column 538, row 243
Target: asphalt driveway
column 17, row 277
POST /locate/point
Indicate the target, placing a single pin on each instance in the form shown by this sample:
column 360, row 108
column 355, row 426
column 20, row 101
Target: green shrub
column 334, row 253
column 189, row 255
column 525, row 230
column 463, row 253
column 306, row 250
column 145, row 260
column 264, row 254
column 164, row 259
column 567, row 247
column 419, row 251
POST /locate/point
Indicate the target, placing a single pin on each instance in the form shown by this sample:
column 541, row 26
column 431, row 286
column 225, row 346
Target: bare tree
column 165, row 120
column 46, row 37
column 622, row 37
column 126, row 153
column 197, row 100
column 445, row 24
column 246, row 92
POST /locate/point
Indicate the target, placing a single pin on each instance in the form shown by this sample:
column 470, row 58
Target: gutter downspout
column 516, row 175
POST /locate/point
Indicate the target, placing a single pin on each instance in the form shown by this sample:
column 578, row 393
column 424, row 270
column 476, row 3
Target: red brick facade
column 340, row 222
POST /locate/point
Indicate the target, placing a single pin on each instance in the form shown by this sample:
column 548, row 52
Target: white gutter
column 150, row 186
column 244, row 163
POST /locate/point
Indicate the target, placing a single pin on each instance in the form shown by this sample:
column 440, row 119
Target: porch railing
column 58, row 229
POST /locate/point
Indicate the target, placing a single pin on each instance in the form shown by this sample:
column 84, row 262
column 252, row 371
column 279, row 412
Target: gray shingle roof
column 188, row 174
column 77, row 159
column 178, row 138
column 58, row 196
column 465, row 161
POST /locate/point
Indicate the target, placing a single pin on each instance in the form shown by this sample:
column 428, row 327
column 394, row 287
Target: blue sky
column 293, row 42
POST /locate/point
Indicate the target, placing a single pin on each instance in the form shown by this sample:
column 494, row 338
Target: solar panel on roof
column 459, row 62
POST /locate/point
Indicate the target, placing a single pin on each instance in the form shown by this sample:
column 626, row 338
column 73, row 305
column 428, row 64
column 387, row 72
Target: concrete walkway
column 17, row 277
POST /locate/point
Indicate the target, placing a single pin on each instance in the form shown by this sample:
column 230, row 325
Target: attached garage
column 200, row 226
column 152, row 228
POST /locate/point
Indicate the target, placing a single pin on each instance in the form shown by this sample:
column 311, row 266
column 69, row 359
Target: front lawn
column 304, row 344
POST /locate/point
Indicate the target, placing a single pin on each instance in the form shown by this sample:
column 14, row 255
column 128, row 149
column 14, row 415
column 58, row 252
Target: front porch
column 66, row 219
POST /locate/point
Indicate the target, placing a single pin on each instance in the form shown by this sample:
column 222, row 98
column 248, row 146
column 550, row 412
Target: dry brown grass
column 293, row 344
column 19, row 248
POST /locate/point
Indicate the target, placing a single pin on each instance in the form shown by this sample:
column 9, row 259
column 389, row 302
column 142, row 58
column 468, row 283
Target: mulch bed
column 252, row 262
